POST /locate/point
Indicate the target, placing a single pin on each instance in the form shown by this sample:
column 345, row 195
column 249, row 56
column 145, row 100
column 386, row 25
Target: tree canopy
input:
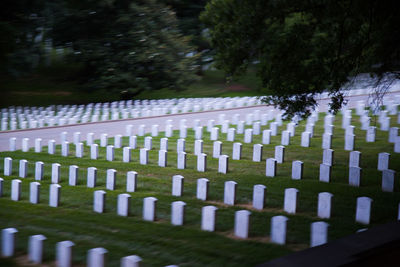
column 305, row 47
column 122, row 45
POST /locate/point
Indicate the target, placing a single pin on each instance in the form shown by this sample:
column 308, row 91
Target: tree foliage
column 305, row 47
column 123, row 45
column 129, row 45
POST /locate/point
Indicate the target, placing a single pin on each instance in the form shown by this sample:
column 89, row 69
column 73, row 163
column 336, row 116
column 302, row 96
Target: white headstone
column 132, row 141
column 370, row 137
column 131, row 261
column 96, row 257
column 162, row 158
column 354, row 176
column 242, row 223
column 148, row 142
column 248, row 135
column 35, row 248
column 91, row 177
column 230, row 193
column 326, row 141
column 240, row 127
column 25, row 144
column 149, row 208
column 305, row 139
column 388, row 177
column 198, row 147
column 231, row 135
column 327, row 157
column 198, row 133
column 183, row 132
column 201, row 162
column 383, row 161
column 89, row 139
column 202, row 188
column 177, row 212
column 324, row 173
column 13, row 144
column 177, row 185
column 111, row 179
column 217, row 148
column 128, row 130
column 278, row 229
column 123, row 205
column 99, row 202
column 118, row 141
column 237, row 151
column 55, row 173
column 110, row 153
column 180, row 145
column 181, row 160
column 144, row 156
column 54, row 197
column 266, row 137
column 23, row 168
column 39, row 170
column 285, row 140
column 79, row 150
column 324, row 205
column 142, row 130
column 319, row 233
column 208, row 218
column 94, row 151
column 154, row 130
column 257, row 152
column 8, row 241
column 363, row 210
column 38, row 145
column 51, row 147
column 15, row 189
column 65, row 149
column 126, row 154
column 131, row 178
column 7, row 166
column 355, row 159
column 349, row 142
column 77, row 137
column 223, row 163
column 164, row 144
column 168, row 130
column 290, row 202
column 34, row 192
column 280, row 154
column 259, row 196
column 64, row 253
column 270, row 170
column 103, row 140
column 297, row 170
column 214, row 134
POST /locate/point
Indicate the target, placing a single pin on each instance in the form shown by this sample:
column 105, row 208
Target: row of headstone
column 23, row 118
column 34, row 192
column 95, row 257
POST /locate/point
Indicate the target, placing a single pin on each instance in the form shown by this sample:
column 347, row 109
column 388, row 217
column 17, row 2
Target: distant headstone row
column 13, row 118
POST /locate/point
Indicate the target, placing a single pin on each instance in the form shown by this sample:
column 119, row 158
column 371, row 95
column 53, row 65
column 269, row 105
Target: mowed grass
column 58, row 86
column 159, row 243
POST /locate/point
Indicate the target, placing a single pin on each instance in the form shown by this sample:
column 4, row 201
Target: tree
column 122, row 44
column 305, row 47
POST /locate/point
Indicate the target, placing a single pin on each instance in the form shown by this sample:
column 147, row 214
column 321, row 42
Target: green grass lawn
column 159, row 243
column 58, row 86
